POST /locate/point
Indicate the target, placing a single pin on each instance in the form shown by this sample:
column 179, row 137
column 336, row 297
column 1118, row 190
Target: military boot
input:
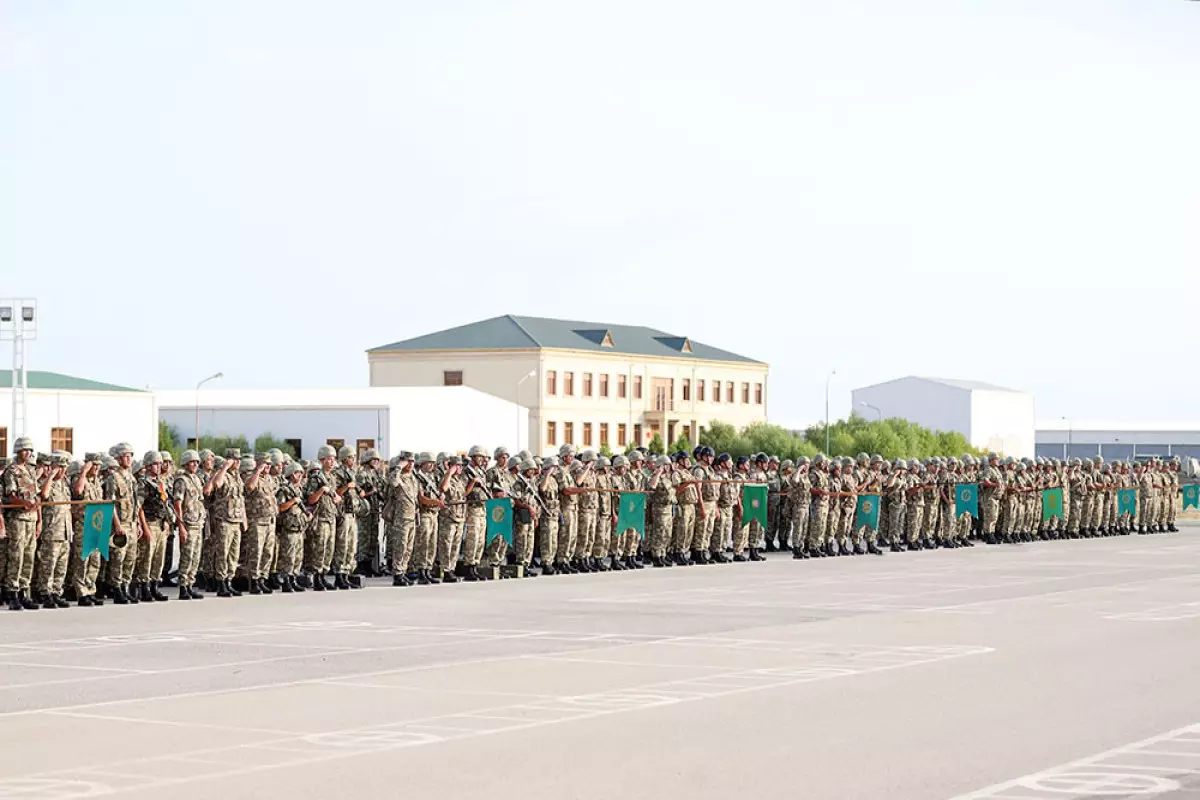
column 755, row 555
column 59, row 601
column 1171, row 528
column 84, row 601
column 47, row 600
column 14, row 602
column 195, row 595
column 184, row 594
column 873, row 549
column 27, row 602
column 860, row 549
column 155, row 594
column 230, row 588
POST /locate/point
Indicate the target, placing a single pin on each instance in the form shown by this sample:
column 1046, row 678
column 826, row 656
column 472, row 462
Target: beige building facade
column 618, row 385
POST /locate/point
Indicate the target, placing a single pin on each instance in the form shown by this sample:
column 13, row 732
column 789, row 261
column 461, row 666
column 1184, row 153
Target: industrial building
column 78, row 415
column 1066, row 438
column 585, row 383
column 388, row 419
column 990, row 417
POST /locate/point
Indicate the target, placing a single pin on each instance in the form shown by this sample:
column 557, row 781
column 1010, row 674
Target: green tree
column 605, row 450
column 265, row 441
column 656, row 445
column 168, row 440
column 681, row 443
column 894, row 437
column 218, row 444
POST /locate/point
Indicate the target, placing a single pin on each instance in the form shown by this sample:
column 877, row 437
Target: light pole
column 198, row 385
column 532, row 372
column 1067, row 451
column 832, row 372
column 873, row 408
column 18, row 321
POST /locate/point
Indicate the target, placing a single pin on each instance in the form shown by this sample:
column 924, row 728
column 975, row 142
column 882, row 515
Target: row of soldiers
column 267, row 523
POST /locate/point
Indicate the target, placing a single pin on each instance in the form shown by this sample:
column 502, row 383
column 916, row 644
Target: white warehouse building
column 1117, row 440
column 63, row 412
column 388, row 419
column 990, row 417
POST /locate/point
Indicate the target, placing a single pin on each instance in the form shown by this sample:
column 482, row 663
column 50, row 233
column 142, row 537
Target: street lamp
column 832, row 372
column 532, row 372
column 18, row 322
column 198, row 385
column 873, row 408
column 1067, row 451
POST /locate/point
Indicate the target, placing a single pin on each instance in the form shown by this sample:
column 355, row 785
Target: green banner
column 966, row 499
column 97, row 523
column 1191, row 496
column 1127, row 501
column 754, row 504
column 1051, row 504
column 866, row 513
column 632, row 513
column 499, row 519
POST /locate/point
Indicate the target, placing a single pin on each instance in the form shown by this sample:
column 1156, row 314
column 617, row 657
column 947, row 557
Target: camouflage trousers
column 401, row 537
column 568, row 532
column 52, row 564
column 896, row 512
column 206, row 550
column 318, row 545
column 603, row 544
column 523, row 543
column 22, row 549
column 1172, row 507
column 818, row 520
column 724, row 531
column 991, row 514
column 832, row 520
column 270, row 554
column 1145, row 510
column 962, row 527
column 253, row 545
column 547, row 535
column 190, row 546
column 449, row 542
column 585, row 536
column 914, row 517
column 82, row 573
column 684, row 526
column 227, row 539
column 122, row 560
column 151, row 551
column 705, row 535
column 367, row 547
column 424, row 549
column 799, row 534
column 1075, row 514
column 474, row 535
column 660, row 530
column 496, row 551
column 845, row 527
column 345, row 539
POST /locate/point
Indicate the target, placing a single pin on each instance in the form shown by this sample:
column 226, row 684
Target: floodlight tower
column 18, row 322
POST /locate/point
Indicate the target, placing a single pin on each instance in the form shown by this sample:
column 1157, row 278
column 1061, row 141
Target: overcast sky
column 999, row 190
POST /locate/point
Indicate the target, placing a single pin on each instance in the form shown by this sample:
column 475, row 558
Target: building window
column 621, row 386
column 670, row 433
column 700, row 391
column 551, row 434
column 292, row 443
column 620, row 434
column 362, row 445
column 568, row 433
column 687, row 390
column 687, row 432
column 452, row 378
column 637, row 434
column 746, row 393
column 62, row 439
column 336, row 444
column 3, row 442
column 603, row 434
column 551, row 382
column 729, row 392
column 189, row 443
column 604, row 386
column 587, row 384
column 716, row 391
column 587, row 434
column 568, row 385
column 637, row 387
column 758, row 394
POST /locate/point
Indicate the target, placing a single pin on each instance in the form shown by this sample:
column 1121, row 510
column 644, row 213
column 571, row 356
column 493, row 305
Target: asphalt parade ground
column 1040, row 671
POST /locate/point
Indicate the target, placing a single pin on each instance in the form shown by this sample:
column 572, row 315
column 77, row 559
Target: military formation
column 257, row 524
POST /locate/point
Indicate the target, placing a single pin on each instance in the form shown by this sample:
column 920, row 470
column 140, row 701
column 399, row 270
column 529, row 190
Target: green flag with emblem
column 866, row 513
column 97, row 523
column 966, row 499
column 1127, row 501
column 1191, row 496
column 632, row 513
column 754, row 504
column 1051, row 504
column 499, row 519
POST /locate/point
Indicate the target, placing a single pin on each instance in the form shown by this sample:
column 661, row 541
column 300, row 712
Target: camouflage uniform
column 499, row 484
column 318, row 545
column 261, row 510
column 989, row 497
column 524, row 490
column 818, row 519
column 708, row 537
column 605, row 503
column 685, row 520
column 370, row 484
column 83, row 572
column 548, row 519
column 228, row 519
column 475, row 527
column 156, row 507
column 345, row 538
column 425, row 543
column 568, row 531
column 54, row 543
column 292, row 525
column 895, row 488
column 119, row 487
column 662, row 496
column 450, row 522
column 587, row 508
column 188, row 493
column 400, row 515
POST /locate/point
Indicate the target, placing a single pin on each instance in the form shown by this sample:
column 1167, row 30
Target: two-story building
column 584, row 383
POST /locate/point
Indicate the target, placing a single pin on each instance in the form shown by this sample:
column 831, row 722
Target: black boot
column 262, row 584
column 132, row 593
column 470, row 575
column 184, row 594
column 143, row 590
column 27, row 602
column 755, row 555
column 118, row 595
column 85, row 601
column 719, row 558
column 860, row 549
column 449, row 577
column 896, row 548
column 156, row 595
column 255, row 586
column 274, row 582
column 1171, row 528
column 798, row 554
column 602, row 564
column 873, row 549
column 223, row 589
column 47, row 601
column 14, row 602
column 232, row 591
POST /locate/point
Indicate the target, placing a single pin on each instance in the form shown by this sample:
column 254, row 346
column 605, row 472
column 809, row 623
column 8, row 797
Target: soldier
column 605, row 518
column 686, row 496
column 187, row 495
column 799, row 501
column 429, row 501
column 662, row 496
column 156, row 516
column 292, row 523
column 870, row 481
column 83, row 572
column 818, row 514
column 370, row 485
column 270, row 556
column 54, row 540
column 228, row 521
column 450, row 519
column 774, row 492
column 568, row 531
column 500, row 479
column 706, row 541
column 261, row 509
column 548, row 492
column 119, row 487
column 849, row 505
column 345, row 539
column 991, row 491
column 526, row 507
column 583, row 475
column 322, row 503
column 400, row 516
column 1172, row 494
column 895, row 491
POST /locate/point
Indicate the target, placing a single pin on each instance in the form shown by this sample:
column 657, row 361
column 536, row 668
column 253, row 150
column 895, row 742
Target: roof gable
column 512, row 332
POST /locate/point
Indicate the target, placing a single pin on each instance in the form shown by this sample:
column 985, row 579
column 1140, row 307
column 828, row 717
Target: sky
column 996, row 190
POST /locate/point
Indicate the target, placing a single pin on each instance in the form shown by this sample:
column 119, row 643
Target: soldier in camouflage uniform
column 156, row 516
column 322, row 503
column 292, row 523
column 429, row 500
column 991, row 493
column 450, row 519
column 227, row 522
column 568, row 531
column 499, row 480
column 800, row 501
column 119, row 487
column 818, row 514
column 548, row 492
column 82, row 573
column 870, row 481
column 706, row 544
column 687, row 496
column 661, row 501
column 345, row 538
column 1172, row 495
column 187, row 495
column 370, row 485
column 400, row 516
column 606, row 503
column 261, row 509
column 475, row 486
column 587, row 507
column 54, row 542
column 526, row 509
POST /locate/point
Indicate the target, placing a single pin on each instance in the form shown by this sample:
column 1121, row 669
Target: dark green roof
column 54, row 380
column 523, row 333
